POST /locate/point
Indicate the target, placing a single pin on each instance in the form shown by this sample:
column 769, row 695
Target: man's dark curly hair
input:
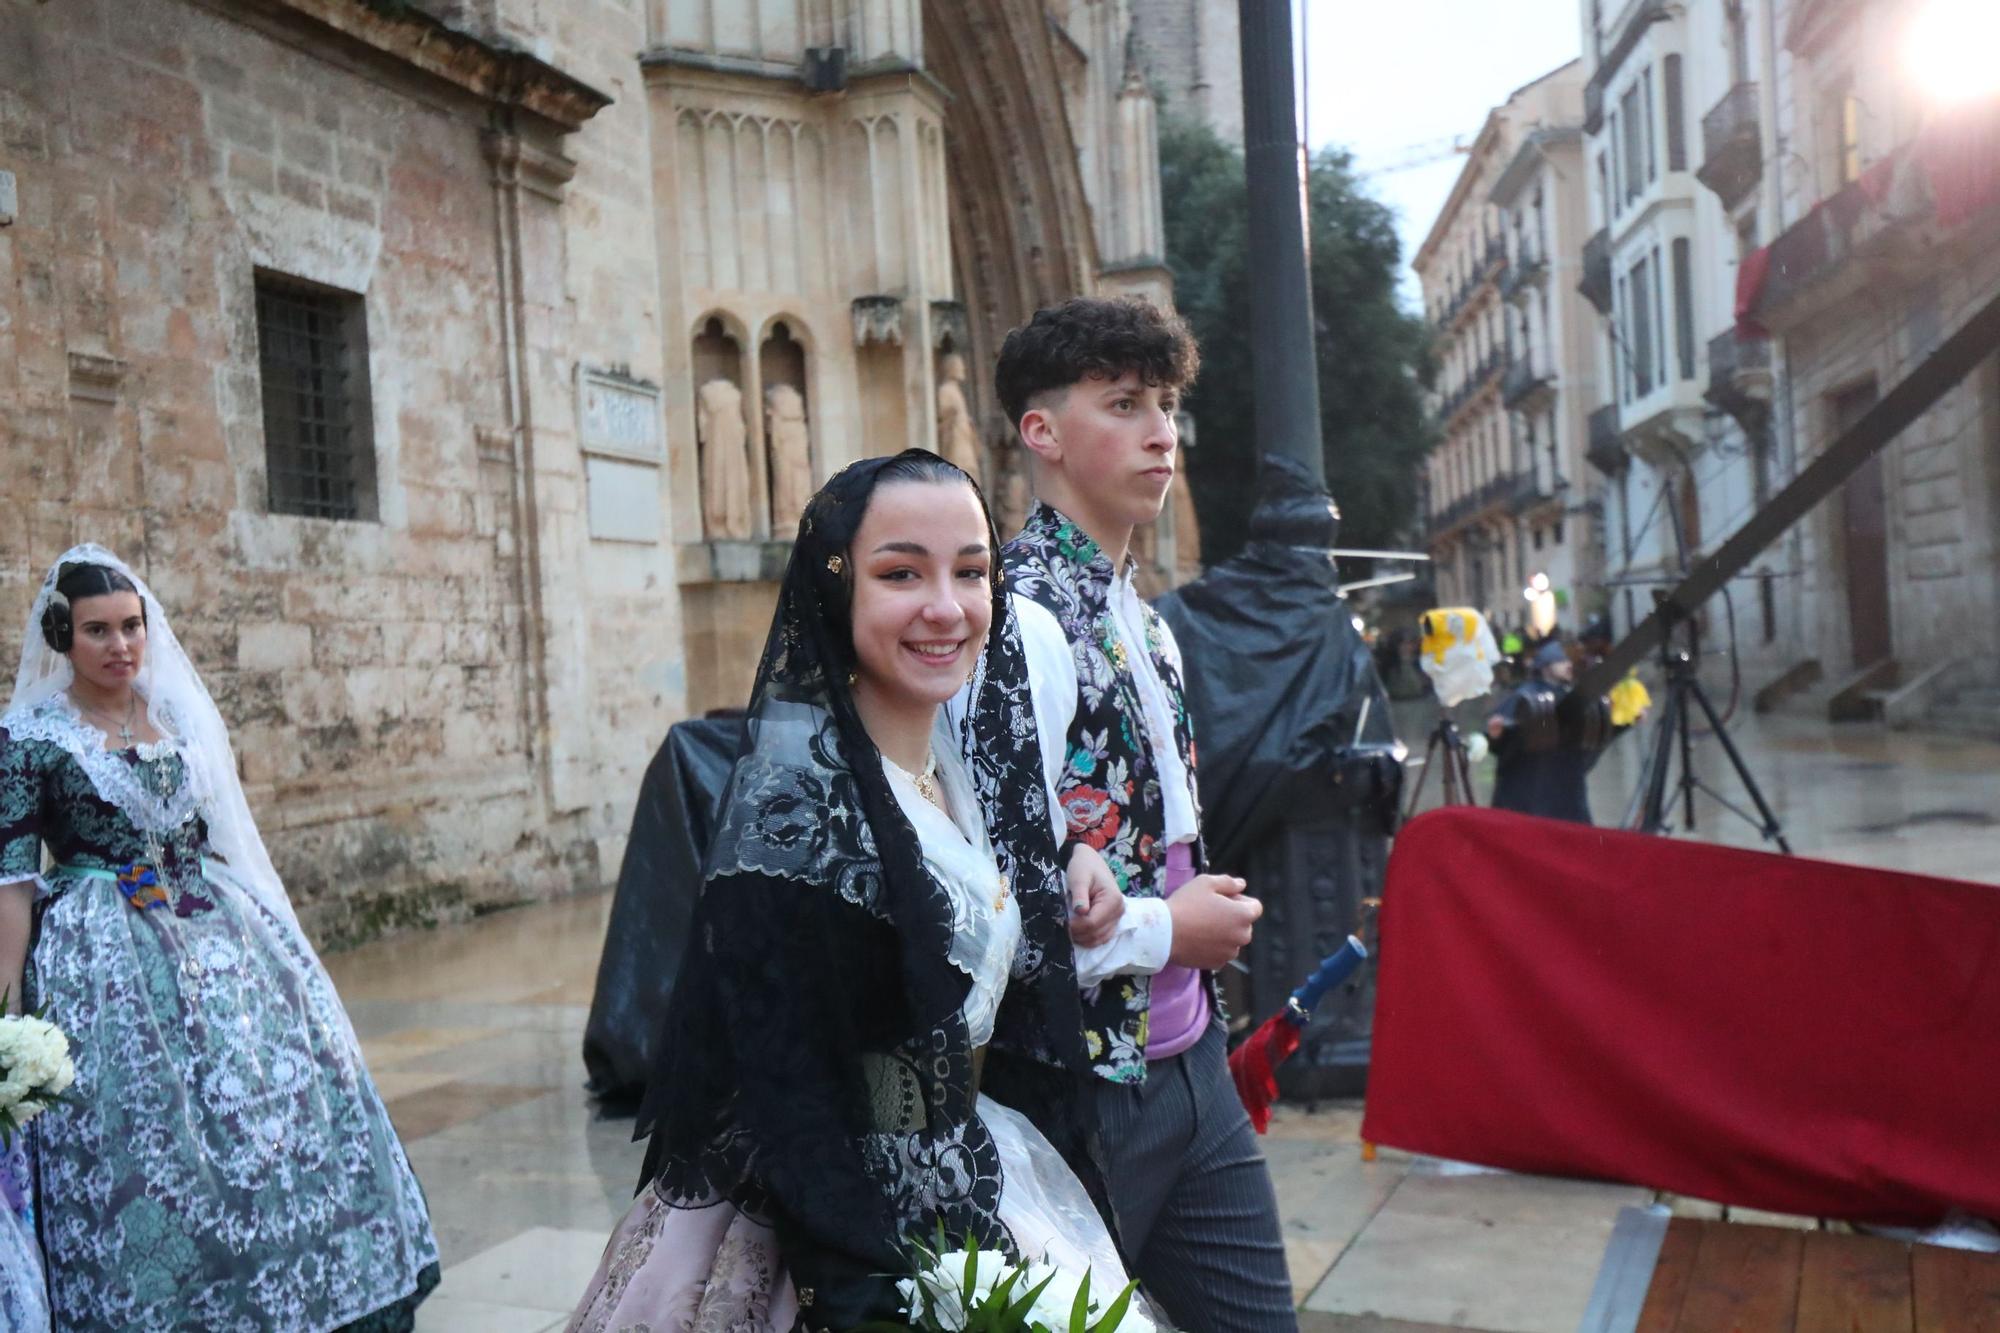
column 1087, row 336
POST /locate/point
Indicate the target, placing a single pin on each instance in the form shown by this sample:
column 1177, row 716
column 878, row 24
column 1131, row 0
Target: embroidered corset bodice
column 93, row 808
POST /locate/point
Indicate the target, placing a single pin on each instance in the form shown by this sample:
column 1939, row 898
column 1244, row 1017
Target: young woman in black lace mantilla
column 818, row 1109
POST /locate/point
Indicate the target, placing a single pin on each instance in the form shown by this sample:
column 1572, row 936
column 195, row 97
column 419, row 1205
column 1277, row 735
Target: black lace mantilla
column 815, row 1066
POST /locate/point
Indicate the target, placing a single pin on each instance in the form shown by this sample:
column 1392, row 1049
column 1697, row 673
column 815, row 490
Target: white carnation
column 945, row 1278
column 34, row 1054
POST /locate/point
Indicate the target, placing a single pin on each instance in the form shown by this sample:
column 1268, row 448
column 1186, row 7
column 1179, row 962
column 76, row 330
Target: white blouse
column 986, row 918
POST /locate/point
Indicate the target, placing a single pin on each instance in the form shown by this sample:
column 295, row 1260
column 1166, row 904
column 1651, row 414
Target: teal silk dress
column 223, row 1161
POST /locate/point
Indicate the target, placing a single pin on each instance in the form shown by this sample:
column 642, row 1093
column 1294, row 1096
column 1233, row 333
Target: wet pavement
column 1860, row 793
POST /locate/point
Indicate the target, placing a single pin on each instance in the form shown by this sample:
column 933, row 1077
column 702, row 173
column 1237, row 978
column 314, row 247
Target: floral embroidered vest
column 1110, row 785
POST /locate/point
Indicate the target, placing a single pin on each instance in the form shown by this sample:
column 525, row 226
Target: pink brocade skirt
column 688, row 1270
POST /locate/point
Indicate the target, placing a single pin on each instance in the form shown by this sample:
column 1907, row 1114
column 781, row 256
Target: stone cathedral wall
column 548, row 223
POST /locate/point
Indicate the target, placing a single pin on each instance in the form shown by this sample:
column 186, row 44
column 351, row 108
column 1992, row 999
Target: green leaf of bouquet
column 1115, row 1316
column 1017, row 1313
column 986, row 1318
column 1079, row 1310
column 969, row 1279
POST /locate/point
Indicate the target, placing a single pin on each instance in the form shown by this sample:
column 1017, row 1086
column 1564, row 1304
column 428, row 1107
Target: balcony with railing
column 1524, row 381
column 1739, row 378
column 1732, row 146
column 1492, row 259
column 1531, row 493
column 1604, row 451
column 1596, row 283
column 1643, row 16
column 1905, row 220
column 1482, row 375
column 1492, row 498
column 1526, row 270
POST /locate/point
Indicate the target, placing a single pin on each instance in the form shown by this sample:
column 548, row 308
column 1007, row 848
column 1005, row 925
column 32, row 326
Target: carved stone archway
column 1020, row 224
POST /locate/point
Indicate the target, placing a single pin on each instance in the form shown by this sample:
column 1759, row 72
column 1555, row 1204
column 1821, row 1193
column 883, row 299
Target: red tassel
column 1254, row 1067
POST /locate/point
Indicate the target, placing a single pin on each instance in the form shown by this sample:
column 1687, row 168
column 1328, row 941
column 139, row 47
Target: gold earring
column 833, row 564
column 853, row 679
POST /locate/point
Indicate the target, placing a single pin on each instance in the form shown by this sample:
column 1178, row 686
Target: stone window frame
column 323, row 439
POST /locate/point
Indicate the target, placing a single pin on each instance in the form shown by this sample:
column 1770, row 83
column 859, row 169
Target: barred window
column 319, row 446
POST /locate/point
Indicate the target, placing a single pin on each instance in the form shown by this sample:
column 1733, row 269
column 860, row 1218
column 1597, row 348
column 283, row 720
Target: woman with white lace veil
column 223, row 1160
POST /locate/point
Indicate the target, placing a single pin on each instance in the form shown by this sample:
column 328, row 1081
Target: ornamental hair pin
column 833, row 564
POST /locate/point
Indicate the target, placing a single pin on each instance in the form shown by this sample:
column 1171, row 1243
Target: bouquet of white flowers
column 966, row 1291
column 35, row 1069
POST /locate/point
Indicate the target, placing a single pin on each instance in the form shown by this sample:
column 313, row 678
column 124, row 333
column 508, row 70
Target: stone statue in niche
column 958, row 437
column 791, row 458
column 1010, row 504
column 725, row 461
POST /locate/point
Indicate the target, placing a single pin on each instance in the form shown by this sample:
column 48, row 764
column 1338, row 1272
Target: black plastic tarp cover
column 657, row 887
column 1276, row 674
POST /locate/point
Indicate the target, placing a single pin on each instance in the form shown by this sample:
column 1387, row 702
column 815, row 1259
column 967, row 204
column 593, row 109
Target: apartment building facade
column 1507, row 495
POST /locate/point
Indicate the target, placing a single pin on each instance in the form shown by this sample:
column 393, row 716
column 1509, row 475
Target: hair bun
column 58, row 631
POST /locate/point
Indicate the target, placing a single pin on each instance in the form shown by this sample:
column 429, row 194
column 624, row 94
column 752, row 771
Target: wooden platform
column 1726, row 1277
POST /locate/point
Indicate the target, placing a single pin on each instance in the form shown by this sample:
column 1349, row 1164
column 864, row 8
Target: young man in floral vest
column 1093, row 386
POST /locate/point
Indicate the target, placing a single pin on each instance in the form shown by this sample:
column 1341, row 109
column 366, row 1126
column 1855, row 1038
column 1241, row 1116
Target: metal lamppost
column 1285, row 373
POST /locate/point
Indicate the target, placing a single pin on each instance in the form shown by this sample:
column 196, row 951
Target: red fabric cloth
column 1750, row 276
column 1760, row 1030
column 1960, row 154
column 1254, row 1066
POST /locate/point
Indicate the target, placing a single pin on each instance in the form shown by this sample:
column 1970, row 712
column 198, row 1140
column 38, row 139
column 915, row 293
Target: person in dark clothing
column 1537, row 776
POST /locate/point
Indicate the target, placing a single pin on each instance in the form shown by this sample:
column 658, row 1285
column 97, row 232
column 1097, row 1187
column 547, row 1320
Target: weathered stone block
column 308, row 149
column 240, row 123
column 345, row 643
column 273, row 646
column 413, row 643
column 301, row 187
column 248, row 166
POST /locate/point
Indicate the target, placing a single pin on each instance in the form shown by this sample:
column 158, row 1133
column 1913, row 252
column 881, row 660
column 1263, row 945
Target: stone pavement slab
column 1477, row 1250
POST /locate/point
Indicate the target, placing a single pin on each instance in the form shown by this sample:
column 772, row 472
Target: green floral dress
column 223, row 1161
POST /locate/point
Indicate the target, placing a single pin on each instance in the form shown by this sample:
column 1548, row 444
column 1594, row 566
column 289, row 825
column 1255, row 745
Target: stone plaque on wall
column 618, row 425
column 619, row 416
column 624, row 500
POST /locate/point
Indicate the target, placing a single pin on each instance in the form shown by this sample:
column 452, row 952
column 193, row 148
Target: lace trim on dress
column 58, row 721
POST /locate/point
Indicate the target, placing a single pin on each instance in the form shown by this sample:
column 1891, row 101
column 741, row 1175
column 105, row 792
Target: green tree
column 1374, row 359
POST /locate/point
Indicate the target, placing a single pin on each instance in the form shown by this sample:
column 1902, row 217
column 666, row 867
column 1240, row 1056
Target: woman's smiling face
column 922, row 591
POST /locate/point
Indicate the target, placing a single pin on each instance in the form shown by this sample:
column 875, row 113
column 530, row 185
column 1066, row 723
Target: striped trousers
column 1196, row 1213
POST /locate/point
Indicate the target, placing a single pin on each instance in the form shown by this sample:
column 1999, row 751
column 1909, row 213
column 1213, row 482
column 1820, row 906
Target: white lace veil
column 178, row 705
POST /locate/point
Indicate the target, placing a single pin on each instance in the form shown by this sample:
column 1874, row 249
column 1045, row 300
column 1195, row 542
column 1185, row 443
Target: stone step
column 1963, row 720
column 1978, row 696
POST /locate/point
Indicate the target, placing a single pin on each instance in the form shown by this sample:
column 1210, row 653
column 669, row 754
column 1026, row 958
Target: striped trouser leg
column 1196, row 1212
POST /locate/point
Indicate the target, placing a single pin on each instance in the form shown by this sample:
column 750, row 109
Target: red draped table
column 1767, row 1031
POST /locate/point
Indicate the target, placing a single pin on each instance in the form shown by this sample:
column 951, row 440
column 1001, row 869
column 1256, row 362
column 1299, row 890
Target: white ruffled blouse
column 986, row 919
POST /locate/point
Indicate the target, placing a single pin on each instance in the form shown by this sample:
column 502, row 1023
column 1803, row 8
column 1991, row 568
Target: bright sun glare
column 1950, row 50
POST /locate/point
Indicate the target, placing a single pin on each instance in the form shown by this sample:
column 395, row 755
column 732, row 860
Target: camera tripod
column 1675, row 730
column 1445, row 740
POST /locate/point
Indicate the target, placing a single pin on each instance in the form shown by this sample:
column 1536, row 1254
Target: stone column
column 528, row 183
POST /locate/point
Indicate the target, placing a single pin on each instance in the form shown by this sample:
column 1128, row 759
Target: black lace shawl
column 814, row 1067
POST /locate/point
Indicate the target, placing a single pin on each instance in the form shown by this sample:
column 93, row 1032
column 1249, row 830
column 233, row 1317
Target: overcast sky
column 1383, row 78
